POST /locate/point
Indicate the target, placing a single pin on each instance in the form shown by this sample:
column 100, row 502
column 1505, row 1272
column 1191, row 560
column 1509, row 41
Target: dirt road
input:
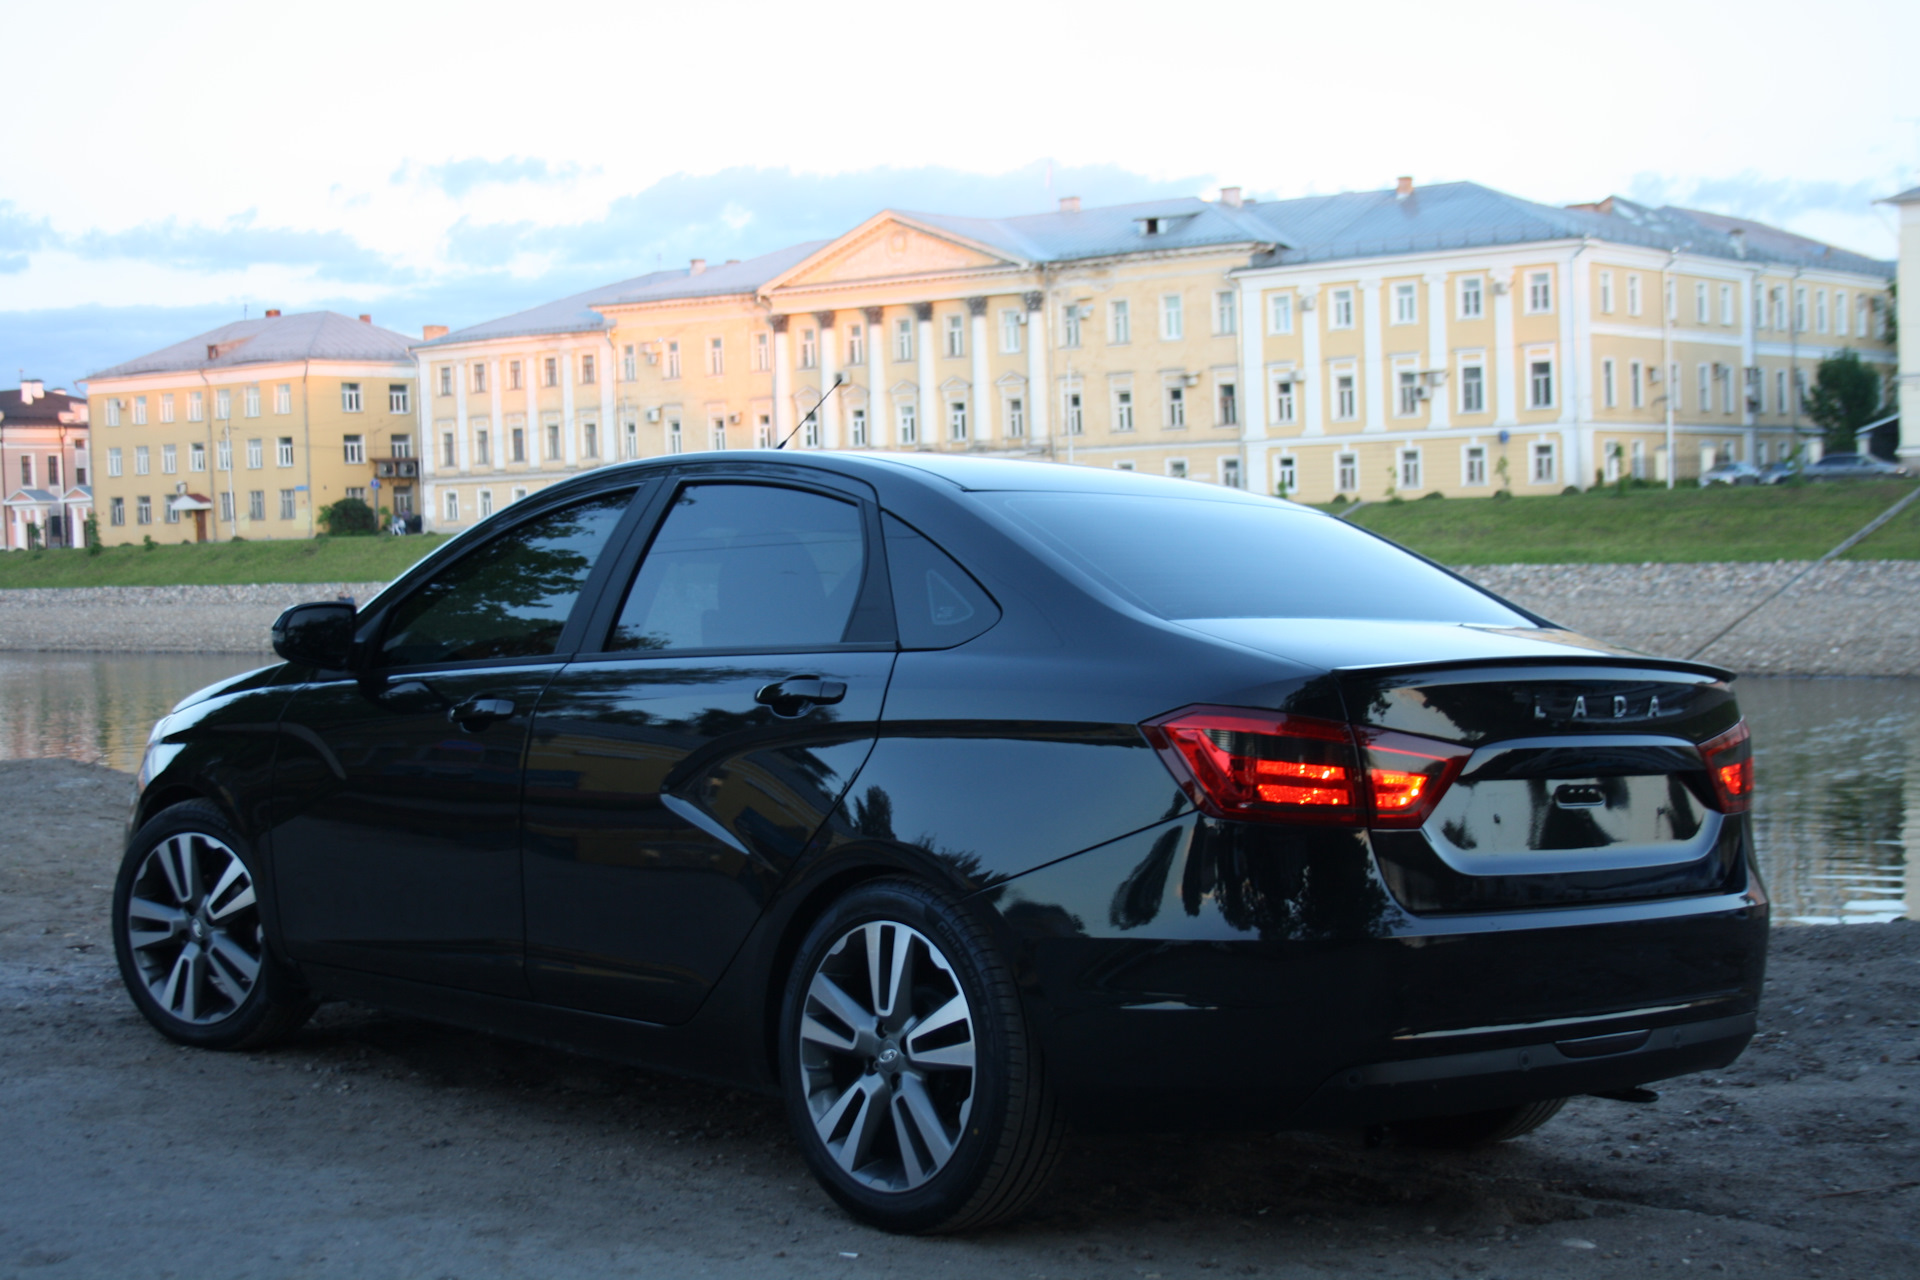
column 380, row 1146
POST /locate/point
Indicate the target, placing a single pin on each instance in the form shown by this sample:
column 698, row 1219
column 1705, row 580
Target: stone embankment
column 1846, row 618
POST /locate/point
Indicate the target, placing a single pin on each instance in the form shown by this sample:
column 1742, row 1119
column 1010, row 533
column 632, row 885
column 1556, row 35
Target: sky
column 168, row 168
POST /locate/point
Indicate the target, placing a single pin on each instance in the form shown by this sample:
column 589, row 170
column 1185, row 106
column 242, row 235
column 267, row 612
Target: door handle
column 794, row 696
column 478, row 713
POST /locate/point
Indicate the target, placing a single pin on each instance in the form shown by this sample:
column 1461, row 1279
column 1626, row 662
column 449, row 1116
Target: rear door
column 675, row 775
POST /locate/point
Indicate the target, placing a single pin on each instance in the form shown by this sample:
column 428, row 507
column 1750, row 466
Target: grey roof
column 47, row 408
column 577, row 314
column 1109, row 230
column 24, row 496
column 1910, row 196
column 308, row 335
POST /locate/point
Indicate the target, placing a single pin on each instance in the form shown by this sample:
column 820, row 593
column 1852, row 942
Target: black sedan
column 958, row 801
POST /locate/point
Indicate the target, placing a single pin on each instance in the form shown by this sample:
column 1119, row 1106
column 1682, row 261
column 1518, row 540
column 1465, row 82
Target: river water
column 1837, row 764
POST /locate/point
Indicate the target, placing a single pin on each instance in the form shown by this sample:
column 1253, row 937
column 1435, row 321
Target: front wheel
column 908, row 1067
column 188, row 933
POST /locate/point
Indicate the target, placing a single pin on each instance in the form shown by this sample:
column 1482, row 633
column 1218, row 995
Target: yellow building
column 1449, row 339
column 251, row 429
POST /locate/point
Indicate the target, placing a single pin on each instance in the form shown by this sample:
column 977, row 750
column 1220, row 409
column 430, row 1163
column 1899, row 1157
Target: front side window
column 1345, row 405
column 1226, row 407
column 1283, row 401
column 287, row 501
column 550, row 369
column 1123, row 411
column 1016, row 416
column 143, row 510
column 113, row 461
column 1633, row 293
column 856, row 344
column 446, row 379
column 257, row 504
column 957, row 420
column 907, row 422
column 509, row 598
column 1409, row 468
column 196, row 406
column 117, row 511
column 169, row 458
column 479, row 378
column 142, row 465
column 513, row 375
column 762, row 359
column 809, row 348
column 739, row 566
column 1176, row 408
column 1070, row 325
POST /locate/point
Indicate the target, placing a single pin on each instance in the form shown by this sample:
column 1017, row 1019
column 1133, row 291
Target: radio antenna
column 838, row 378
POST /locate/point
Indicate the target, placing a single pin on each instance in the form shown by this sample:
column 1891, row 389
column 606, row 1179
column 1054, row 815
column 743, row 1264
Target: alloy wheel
column 887, row 1051
column 193, row 928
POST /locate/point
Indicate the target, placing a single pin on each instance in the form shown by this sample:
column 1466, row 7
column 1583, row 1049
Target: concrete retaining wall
column 1852, row 618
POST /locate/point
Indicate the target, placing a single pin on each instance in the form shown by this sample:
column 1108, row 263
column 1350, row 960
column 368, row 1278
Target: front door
column 675, row 776
column 396, row 845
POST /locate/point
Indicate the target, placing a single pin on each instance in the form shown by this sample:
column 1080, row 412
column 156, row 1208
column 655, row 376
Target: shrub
column 1501, row 495
column 1429, row 497
column 1571, row 491
column 349, row 516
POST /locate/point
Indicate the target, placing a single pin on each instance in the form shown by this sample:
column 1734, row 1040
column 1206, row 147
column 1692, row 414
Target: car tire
column 190, row 939
column 1478, row 1128
column 908, row 1067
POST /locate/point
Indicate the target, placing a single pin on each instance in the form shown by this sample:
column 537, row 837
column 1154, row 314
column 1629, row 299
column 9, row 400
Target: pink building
column 43, row 466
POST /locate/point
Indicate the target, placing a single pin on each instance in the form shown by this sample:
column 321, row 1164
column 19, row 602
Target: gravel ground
column 1849, row 618
column 383, row 1146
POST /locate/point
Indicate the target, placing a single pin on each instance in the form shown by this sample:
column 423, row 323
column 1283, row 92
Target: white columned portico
column 924, row 375
column 1038, row 419
column 1373, row 358
column 981, row 397
column 782, row 380
column 1307, row 394
column 1505, row 387
column 879, row 428
column 1439, row 402
column 829, row 415
column 568, row 372
column 1253, row 393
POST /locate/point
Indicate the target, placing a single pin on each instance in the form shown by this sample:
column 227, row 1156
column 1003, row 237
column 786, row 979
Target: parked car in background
column 1732, row 473
column 1853, row 466
column 1782, row 471
column 956, row 800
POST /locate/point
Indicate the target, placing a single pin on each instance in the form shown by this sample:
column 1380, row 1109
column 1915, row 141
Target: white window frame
column 906, row 422
column 1010, row 325
column 196, row 406
column 1226, row 313
column 1819, row 310
column 1286, row 404
column 1606, row 293
column 955, row 329
column 672, row 369
column 1538, row 451
column 1346, row 467
column 223, row 454
column 1119, row 322
column 1609, row 399
column 250, row 400
column 1406, row 391
column 1408, row 471
column 197, row 456
column 142, row 461
column 762, row 352
column 1474, row 472
column 1122, row 408
column 1534, row 359
column 957, row 427
column 169, row 459
column 1539, row 293
column 809, row 348
column 139, row 411
column 1173, row 406
column 1177, row 468
column 114, row 461
column 1700, row 309
column 399, row 397
column 1840, row 327
column 1406, row 302
column 1477, row 364
column 289, row 504
column 1173, row 318
column 1280, row 314
column 1470, row 293
column 1346, row 396
column 1070, row 325
column 857, row 437
column 354, row 450
column 1286, row 473
column 1633, row 293
column 1015, row 414
column 256, row 453
column 1726, row 305
column 1703, row 383
column 1636, row 384
column 903, row 340
column 283, row 451
column 450, row 506
column 1340, row 310
column 350, row 400
column 716, row 357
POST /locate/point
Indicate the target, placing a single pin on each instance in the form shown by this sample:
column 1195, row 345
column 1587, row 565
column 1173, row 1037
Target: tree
column 349, row 515
column 1846, row 396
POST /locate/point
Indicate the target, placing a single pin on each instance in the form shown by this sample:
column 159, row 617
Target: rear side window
column 739, row 566
column 936, row 603
column 1196, row 558
column 509, row 598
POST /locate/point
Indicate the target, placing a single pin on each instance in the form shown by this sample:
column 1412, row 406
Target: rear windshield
column 1200, row 558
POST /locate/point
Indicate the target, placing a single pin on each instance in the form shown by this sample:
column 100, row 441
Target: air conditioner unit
column 733, row 419
column 1307, row 301
column 1422, row 393
column 653, row 415
column 1503, row 287
column 1653, row 373
column 1189, row 379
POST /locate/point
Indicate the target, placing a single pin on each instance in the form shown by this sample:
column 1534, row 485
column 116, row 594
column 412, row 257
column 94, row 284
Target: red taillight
column 1239, row 763
column 1729, row 759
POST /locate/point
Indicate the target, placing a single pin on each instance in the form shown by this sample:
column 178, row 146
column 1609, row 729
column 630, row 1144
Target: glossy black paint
column 625, row 861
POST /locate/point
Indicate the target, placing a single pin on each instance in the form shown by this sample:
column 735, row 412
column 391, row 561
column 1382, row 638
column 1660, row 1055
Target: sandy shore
column 376, row 1145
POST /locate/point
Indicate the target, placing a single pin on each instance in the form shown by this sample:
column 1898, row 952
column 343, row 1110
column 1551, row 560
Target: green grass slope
column 372, row 559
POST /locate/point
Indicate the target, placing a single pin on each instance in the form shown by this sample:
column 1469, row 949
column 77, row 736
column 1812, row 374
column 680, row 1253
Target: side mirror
column 316, row 635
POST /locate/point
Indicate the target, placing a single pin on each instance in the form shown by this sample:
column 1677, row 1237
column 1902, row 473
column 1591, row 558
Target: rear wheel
column 908, row 1068
column 190, row 939
column 1478, row 1128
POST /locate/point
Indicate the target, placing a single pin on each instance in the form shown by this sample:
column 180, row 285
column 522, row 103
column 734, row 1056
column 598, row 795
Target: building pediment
column 889, row 247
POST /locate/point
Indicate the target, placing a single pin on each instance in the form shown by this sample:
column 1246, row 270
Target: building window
column 1172, row 322
column 1473, row 298
column 1125, row 464
column 1725, row 374
column 196, row 456
column 250, row 401
column 446, row 379
column 589, row 370
column 1280, row 314
column 449, row 451
column 856, row 429
column 1283, row 409
column 514, row 379
column 516, row 444
column 1230, row 472
column 1409, row 469
column 1344, row 400
column 451, row 505
column 1672, row 300
column 26, row 469
column 1119, row 321
column 350, row 397
column 482, row 447
column 166, row 406
column 222, row 405
column 1225, row 314
column 283, row 452
column 399, row 399
column 142, row 464
column 1473, row 471
column 629, row 363
column 553, row 441
column 1543, row 463
column 196, row 406
column 1703, row 382
column 479, row 375
column 1342, row 317
column 283, row 398
column 1123, row 410
column 903, row 340
column 957, row 420
column 356, row 491
column 809, row 348
column 486, row 503
column 1287, row 473
column 762, row 353
column 1176, row 408
column 1606, row 384
column 956, row 336
column 1016, row 417
column 1346, row 472
column 1076, row 420
column 907, row 422
column 1406, row 304
column 856, row 344
column 355, row 449
column 590, row 438
column 113, row 462
column 675, row 443
column 1010, row 330
column 550, row 371
column 117, row 511
column 763, row 429
column 1606, row 292
column 673, row 361
column 1700, row 302
column 1839, row 327
column 143, row 510
column 1539, row 291
column 253, row 453
column 169, row 459
column 1726, row 304
column 1070, row 325
column 1227, row 405
column 1800, row 309
column 286, row 504
column 1407, row 393
column 1540, row 384
column 140, row 404
column 1820, row 311
column 1177, row 468
column 1636, row 385
column 257, row 504
column 1633, row 293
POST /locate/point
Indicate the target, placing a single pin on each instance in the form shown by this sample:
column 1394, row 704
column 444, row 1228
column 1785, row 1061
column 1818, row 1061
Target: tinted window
column 936, row 603
column 509, row 598
column 1194, row 558
column 746, row 567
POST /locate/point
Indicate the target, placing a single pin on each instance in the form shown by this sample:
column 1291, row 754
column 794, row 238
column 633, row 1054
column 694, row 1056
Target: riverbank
column 1846, row 618
column 375, row 1144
